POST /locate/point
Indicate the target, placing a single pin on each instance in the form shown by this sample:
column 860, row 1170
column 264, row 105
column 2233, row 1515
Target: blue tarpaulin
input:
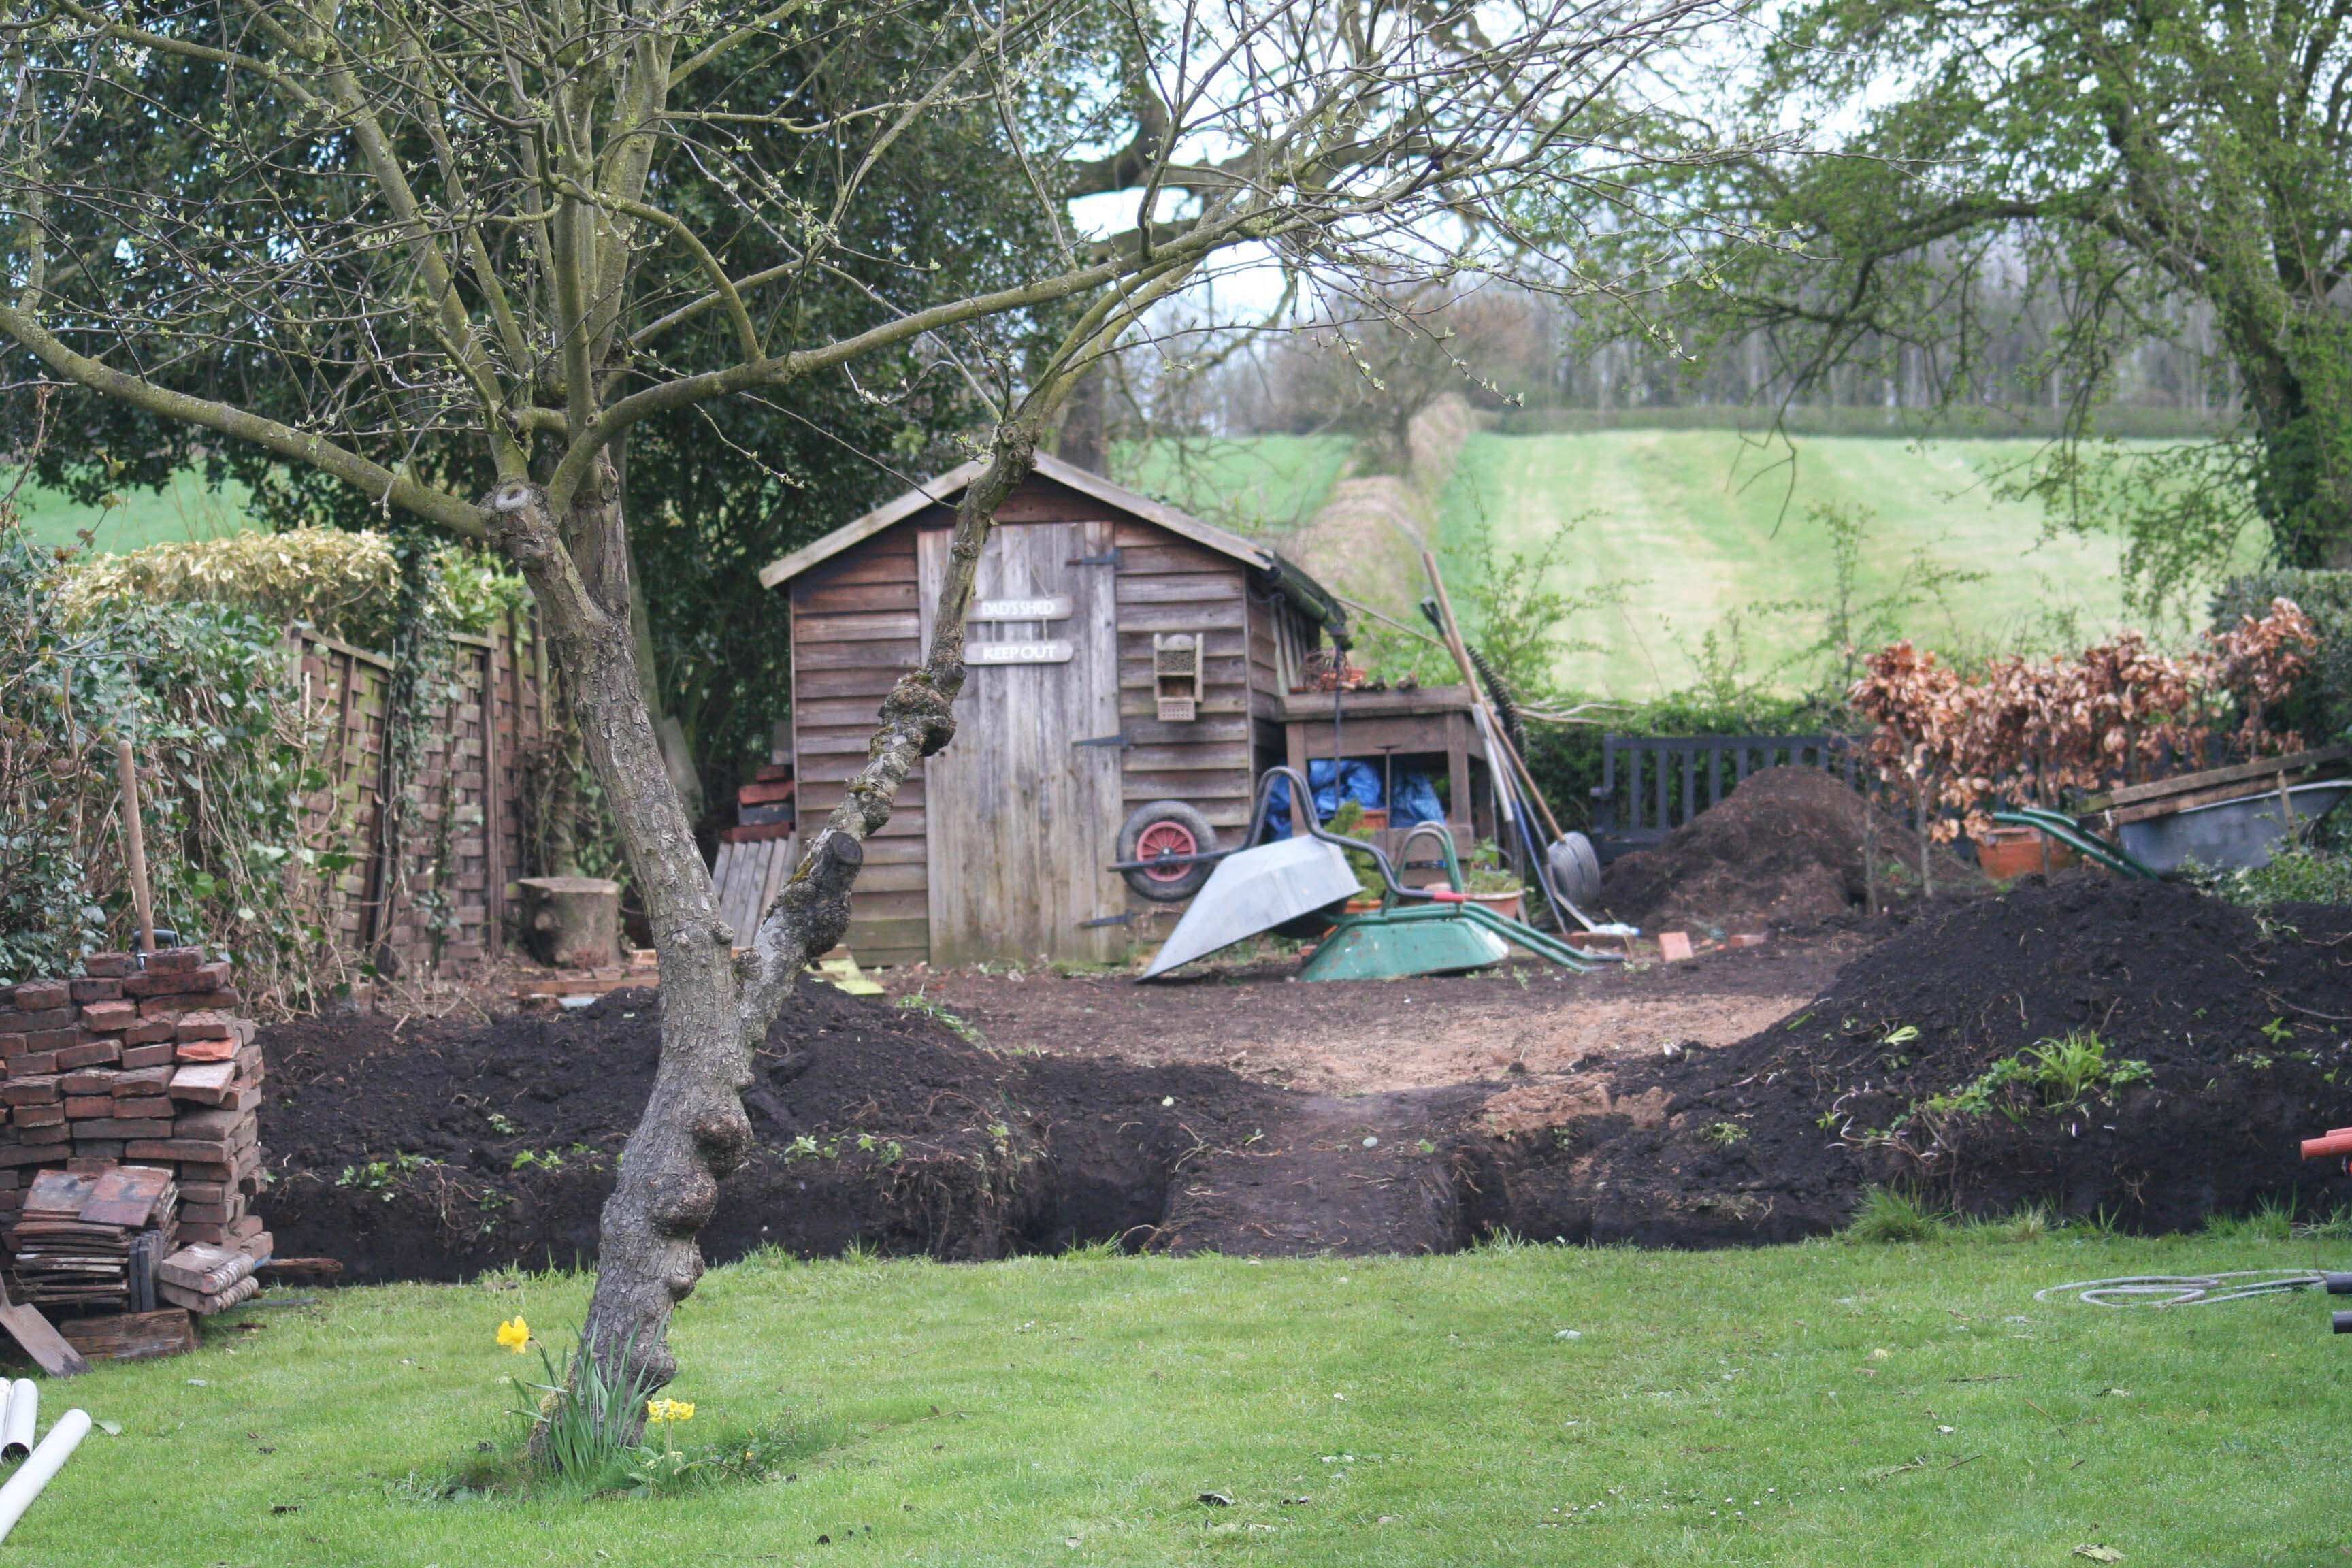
column 1352, row 778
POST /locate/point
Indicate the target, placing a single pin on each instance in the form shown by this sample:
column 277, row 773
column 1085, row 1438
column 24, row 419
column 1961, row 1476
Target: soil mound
column 437, row 1150
column 2204, row 1042
column 1784, row 848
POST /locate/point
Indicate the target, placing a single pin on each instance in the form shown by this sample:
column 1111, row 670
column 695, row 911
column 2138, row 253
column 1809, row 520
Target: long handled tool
column 1514, row 779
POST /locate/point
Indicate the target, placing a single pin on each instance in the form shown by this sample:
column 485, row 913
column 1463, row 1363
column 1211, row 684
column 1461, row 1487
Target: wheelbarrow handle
column 1302, row 805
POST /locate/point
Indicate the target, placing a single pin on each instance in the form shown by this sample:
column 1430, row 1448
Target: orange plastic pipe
column 2337, row 1142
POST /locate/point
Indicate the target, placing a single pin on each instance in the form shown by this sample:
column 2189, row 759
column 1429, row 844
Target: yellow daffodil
column 660, row 1410
column 514, row 1334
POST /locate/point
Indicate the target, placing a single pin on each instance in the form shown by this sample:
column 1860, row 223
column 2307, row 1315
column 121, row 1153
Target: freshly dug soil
column 2241, row 1023
column 436, row 1149
column 1783, row 850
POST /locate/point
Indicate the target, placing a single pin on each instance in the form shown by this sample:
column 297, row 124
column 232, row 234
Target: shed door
column 1021, row 818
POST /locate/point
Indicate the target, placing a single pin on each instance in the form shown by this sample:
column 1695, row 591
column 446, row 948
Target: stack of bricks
column 145, row 1064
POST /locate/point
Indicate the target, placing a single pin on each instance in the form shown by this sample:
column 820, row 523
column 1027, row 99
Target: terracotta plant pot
column 1504, row 904
column 2007, row 853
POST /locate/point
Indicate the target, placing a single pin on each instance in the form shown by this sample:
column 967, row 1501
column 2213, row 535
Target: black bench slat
column 1640, row 800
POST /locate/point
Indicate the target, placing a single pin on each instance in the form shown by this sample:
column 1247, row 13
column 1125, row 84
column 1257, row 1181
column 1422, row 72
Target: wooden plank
column 896, row 657
column 1228, row 672
column 133, row 1336
column 1141, row 702
column 1147, row 732
column 888, row 557
column 1215, row 754
column 1021, row 819
column 784, row 856
column 911, row 933
column 874, row 879
column 2184, row 784
column 1167, row 556
column 2260, row 788
column 820, row 791
column 834, row 598
column 831, row 742
column 837, row 713
column 38, row 1338
column 1230, row 615
column 1184, row 784
column 1179, row 588
column 879, row 625
column 869, row 685
column 887, row 851
column 897, row 904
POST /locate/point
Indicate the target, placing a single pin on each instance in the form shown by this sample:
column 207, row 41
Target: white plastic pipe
column 45, row 1463
column 21, row 1418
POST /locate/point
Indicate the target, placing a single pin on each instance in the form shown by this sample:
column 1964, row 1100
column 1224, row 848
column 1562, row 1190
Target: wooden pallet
column 749, row 876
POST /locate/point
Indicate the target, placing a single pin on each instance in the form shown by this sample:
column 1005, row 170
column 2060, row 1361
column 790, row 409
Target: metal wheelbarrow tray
column 2224, row 819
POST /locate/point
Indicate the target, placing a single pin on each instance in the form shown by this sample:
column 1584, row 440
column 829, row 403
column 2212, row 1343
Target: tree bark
column 715, row 1009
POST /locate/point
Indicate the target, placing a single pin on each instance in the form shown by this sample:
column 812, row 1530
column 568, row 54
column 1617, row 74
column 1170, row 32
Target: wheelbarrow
column 1300, row 888
column 2223, row 819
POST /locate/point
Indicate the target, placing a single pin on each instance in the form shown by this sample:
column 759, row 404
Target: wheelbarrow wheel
column 1166, row 827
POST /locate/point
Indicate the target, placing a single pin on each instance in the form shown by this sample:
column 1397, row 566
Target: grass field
column 185, row 509
column 1258, row 484
column 1698, row 526
column 1832, row 1404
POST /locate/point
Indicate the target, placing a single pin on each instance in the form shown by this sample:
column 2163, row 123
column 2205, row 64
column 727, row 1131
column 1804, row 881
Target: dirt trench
column 436, row 1150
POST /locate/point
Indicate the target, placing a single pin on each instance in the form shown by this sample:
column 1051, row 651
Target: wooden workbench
column 1431, row 722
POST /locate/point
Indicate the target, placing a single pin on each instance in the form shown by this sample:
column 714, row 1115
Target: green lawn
column 185, row 509
column 1258, row 484
column 1698, row 526
column 1832, row 1404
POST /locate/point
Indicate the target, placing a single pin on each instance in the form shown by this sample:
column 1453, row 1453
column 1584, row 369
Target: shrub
column 2321, row 706
column 345, row 585
column 235, row 859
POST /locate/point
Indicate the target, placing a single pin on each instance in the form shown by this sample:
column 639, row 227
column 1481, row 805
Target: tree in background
column 2111, row 160
column 718, row 489
column 457, row 254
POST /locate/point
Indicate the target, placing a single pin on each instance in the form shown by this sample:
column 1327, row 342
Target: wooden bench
column 1651, row 785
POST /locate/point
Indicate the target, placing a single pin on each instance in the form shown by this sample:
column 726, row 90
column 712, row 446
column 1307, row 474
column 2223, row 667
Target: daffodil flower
column 514, row 1334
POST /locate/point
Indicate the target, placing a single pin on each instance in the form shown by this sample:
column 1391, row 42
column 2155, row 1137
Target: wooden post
column 1295, row 752
column 134, row 844
column 494, row 860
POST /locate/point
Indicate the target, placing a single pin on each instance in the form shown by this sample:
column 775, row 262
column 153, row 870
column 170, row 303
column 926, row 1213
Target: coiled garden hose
column 2197, row 1290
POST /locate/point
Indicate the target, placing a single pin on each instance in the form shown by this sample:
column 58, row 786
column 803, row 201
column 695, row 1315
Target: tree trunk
column 714, row 1010
column 693, row 1132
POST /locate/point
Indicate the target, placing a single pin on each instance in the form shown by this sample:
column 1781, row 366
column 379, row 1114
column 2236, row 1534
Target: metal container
column 2229, row 834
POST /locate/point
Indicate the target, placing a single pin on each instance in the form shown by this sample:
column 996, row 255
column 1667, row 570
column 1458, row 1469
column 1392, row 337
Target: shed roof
column 1303, row 590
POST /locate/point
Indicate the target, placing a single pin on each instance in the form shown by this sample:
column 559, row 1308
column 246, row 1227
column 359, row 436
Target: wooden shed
column 1119, row 652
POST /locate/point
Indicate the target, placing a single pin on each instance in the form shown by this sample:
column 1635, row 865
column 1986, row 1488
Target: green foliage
column 2121, row 167
column 1893, row 1214
column 2050, row 1075
column 1348, row 822
column 583, row 1420
column 348, row 586
column 2297, row 874
column 2273, row 1220
column 229, row 758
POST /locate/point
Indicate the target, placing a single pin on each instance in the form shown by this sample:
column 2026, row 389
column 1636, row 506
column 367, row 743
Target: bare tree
column 412, row 247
